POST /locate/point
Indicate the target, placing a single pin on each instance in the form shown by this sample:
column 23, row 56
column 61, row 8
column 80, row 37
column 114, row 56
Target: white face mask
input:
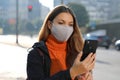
column 61, row 33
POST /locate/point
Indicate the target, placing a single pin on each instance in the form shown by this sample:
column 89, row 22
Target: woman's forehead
column 64, row 16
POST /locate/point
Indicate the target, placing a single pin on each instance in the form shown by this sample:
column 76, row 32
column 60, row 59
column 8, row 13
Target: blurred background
column 21, row 20
column 19, row 17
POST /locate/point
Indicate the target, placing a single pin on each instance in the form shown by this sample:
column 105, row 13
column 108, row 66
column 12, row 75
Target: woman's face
column 64, row 19
column 62, row 26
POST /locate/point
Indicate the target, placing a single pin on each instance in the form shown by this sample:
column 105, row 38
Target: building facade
column 98, row 10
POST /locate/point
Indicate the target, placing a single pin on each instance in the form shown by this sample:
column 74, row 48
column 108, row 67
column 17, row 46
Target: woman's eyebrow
column 64, row 20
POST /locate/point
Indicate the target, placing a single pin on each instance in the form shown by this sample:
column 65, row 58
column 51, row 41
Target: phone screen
column 89, row 46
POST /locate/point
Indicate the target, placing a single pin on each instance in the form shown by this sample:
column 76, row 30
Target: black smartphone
column 89, row 46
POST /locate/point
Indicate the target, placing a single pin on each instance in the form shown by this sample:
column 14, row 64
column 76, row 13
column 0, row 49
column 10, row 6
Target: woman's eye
column 60, row 22
column 71, row 25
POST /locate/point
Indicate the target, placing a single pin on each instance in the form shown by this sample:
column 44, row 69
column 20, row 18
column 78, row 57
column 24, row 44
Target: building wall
column 44, row 12
column 9, row 9
column 100, row 10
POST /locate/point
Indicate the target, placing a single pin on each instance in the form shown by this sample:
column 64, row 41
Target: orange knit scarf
column 57, row 51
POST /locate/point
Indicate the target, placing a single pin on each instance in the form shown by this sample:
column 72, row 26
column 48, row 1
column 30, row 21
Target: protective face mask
column 61, row 33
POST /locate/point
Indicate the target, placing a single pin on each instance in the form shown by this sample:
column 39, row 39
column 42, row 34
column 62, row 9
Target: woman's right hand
column 81, row 67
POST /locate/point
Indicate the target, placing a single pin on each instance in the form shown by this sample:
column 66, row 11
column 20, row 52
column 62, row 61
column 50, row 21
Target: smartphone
column 89, row 46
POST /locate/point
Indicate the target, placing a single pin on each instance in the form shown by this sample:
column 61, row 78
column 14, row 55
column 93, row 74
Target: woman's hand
column 85, row 76
column 81, row 67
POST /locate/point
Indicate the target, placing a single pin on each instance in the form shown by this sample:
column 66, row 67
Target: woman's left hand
column 85, row 76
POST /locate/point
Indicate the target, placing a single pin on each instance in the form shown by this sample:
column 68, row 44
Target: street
column 107, row 64
column 13, row 63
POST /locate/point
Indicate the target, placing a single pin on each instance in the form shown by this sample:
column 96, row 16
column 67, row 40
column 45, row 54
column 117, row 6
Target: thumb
column 79, row 56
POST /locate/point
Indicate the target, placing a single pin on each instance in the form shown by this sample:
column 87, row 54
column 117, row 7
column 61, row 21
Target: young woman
column 57, row 54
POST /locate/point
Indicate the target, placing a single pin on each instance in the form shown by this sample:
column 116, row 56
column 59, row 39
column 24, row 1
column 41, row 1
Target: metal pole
column 17, row 9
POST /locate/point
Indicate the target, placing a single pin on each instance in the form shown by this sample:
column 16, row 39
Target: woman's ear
column 49, row 24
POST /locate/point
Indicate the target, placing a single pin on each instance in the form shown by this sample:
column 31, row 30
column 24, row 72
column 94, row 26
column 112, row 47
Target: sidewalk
column 23, row 41
column 13, row 58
